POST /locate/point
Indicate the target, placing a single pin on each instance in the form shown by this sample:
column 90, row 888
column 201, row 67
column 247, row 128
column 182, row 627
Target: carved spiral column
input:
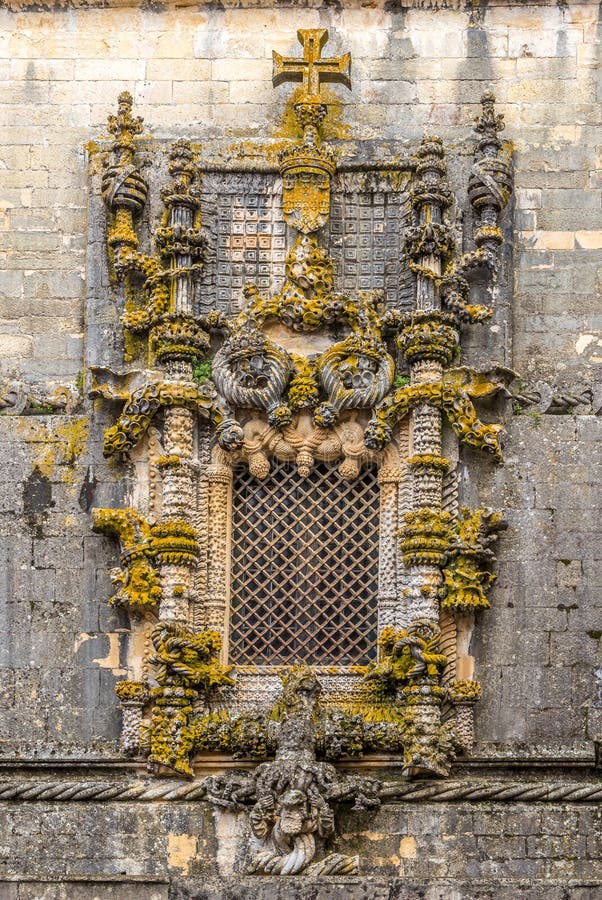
column 405, row 502
column 177, row 339
column 427, row 342
column 420, row 343
column 449, row 638
column 201, row 523
column 178, row 471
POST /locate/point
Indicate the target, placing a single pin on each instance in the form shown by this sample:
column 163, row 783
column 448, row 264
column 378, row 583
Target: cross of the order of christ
column 312, row 70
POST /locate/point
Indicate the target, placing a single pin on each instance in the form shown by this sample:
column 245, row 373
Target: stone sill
column 469, row 771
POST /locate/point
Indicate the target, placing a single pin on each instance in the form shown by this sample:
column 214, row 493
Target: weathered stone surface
column 203, row 72
column 441, row 850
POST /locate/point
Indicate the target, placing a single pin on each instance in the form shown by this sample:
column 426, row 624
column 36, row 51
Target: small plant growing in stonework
column 202, row 372
column 41, row 408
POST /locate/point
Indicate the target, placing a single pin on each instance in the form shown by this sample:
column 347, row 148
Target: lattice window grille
column 304, row 567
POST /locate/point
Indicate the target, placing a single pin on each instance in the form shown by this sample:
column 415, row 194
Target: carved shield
column 306, row 200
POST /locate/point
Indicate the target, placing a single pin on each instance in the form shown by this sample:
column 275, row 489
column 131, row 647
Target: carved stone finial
column 181, row 160
column 124, row 126
column 488, row 123
column 312, row 70
column 490, row 182
column 431, row 169
column 123, row 188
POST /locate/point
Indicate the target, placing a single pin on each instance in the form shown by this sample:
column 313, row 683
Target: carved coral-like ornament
column 425, row 537
column 429, row 335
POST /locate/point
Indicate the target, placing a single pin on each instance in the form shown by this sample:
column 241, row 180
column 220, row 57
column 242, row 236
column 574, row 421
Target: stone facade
column 520, row 815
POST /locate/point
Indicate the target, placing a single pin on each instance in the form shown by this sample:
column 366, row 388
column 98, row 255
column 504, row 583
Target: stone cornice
column 435, row 6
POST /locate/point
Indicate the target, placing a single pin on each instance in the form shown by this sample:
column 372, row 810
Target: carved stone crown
column 307, row 159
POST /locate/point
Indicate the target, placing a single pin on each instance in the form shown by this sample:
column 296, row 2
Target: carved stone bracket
column 20, row 399
column 292, row 815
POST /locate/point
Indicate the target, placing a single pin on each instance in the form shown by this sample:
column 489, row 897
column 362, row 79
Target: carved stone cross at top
column 312, row 70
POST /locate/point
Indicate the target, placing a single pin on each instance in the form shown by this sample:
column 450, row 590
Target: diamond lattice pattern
column 304, row 567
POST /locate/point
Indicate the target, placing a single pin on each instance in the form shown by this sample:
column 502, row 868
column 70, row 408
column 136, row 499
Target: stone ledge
column 423, row 5
column 576, row 759
column 368, row 887
column 86, row 879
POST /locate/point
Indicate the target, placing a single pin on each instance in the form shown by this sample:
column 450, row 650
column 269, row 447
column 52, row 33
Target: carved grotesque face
column 426, row 632
column 253, row 371
column 305, row 687
column 292, row 812
column 231, row 434
column 358, row 372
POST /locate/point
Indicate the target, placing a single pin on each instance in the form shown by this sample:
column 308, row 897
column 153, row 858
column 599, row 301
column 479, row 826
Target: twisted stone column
column 424, row 342
column 176, row 339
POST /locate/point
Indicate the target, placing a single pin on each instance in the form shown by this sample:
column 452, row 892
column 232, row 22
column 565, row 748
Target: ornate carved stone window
column 293, row 453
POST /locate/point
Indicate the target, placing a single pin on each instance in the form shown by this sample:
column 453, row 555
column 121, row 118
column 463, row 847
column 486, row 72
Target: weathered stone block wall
column 204, row 72
column 428, row 850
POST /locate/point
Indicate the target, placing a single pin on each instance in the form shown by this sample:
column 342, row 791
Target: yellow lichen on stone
column 132, row 691
column 466, row 578
column 137, row 582
column 465, row 691
column 406, row 654
column 181, row 851
column 57, row 442
column 73, row 435
column 332, row 128
column 303, row 388
column 266, row 151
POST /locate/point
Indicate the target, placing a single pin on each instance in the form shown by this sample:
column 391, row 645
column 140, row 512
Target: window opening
column 304, row 567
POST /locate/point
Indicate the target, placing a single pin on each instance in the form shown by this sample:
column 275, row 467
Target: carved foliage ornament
column 260, row 399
